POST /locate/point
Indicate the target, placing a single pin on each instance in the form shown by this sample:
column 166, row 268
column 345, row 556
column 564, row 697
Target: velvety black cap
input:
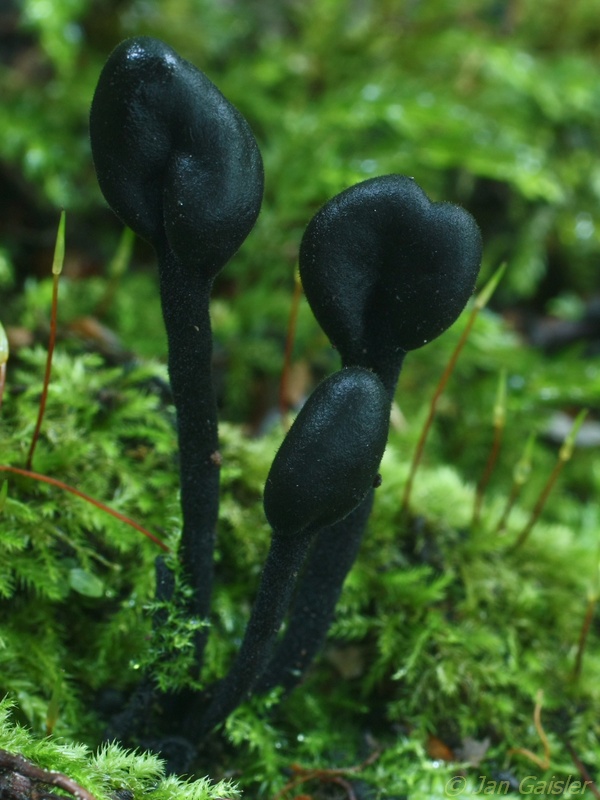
column 386, row 270
column 329, row 459
column 174, row 159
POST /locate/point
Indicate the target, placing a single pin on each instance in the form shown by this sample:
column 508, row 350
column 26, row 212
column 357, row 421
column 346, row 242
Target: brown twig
column 542, row 763
column 589, row 783
column 14, row 768
column 329, row 775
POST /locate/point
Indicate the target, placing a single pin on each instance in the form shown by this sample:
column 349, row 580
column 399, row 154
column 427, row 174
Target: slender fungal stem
column 185, row 299
column 36, row 476
column 284, row 560
column 330, row 559
column 57, row 265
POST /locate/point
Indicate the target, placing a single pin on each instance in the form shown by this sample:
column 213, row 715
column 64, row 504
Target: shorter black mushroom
column 385, row 271
column 322, row 471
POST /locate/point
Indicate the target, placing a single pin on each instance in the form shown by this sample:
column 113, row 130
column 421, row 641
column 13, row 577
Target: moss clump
column 108, row 772
column 441, row 635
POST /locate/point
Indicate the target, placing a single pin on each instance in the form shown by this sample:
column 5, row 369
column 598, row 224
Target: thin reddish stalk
column 537, row 510
column 480, row 303
column 583, row 771
column 48, row 370
column 511, row 500
column 36, row 476
column 487, row 473
column 564, row 455
column 433, row 406
column 583, row 635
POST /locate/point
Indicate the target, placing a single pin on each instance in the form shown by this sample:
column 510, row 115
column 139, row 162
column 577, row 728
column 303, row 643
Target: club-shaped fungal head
column 174, row 159
column 385, row 270
column 329, row 459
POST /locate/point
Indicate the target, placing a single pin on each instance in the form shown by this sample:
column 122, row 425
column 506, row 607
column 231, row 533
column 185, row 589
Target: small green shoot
column 116, row 269
column 564, row 454
column 57, row 265
column 53, row 712
column 480, row 303
column 498, row 423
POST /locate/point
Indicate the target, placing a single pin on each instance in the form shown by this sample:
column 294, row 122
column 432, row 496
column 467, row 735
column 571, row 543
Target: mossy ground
column 444, row 637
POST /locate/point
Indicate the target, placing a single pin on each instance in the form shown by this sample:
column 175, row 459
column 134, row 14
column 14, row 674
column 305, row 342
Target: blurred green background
column 494, row 104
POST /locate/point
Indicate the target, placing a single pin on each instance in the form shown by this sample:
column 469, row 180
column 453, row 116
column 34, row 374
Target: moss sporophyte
column 385, row 271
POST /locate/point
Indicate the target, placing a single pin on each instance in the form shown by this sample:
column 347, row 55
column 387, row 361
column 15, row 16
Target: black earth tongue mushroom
column 385, row 271
column 180, row 166
column 324, row 468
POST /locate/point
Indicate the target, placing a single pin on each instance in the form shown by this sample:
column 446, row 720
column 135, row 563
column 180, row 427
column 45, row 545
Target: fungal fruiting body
column 324, row 468
column 385, row 271
column 179, row 164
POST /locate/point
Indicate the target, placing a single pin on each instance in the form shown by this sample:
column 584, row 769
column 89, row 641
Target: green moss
column 108, row 770
column 449, row 634
column 452, row 634
column 444, row 633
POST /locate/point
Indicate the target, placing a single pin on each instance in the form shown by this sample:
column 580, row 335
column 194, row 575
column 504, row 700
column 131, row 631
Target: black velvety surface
column 330, row 456
column 175, row 160
column 385, row 270
column 180, row 165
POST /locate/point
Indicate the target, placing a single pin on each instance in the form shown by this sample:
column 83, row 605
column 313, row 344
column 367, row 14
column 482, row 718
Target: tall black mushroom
column 180, row 165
